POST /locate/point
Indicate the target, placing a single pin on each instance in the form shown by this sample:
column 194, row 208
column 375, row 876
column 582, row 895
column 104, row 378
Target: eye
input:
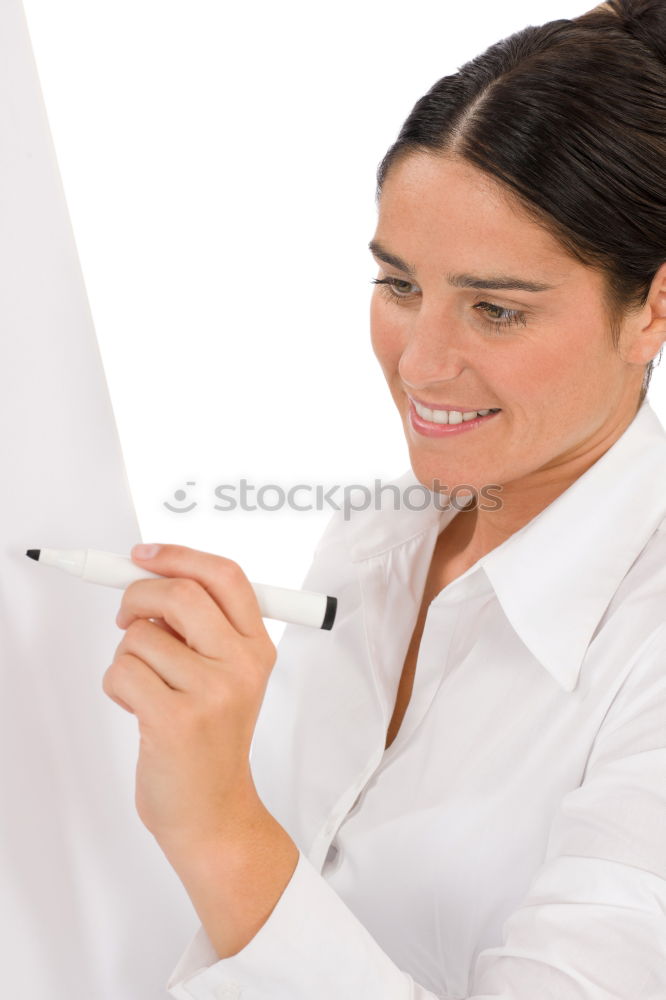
column 507, row 317
column 391, row 286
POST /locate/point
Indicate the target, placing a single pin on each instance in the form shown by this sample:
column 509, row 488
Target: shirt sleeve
column 591, row 927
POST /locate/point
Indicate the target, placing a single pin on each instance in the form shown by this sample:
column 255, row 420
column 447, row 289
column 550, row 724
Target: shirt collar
column 554, row 577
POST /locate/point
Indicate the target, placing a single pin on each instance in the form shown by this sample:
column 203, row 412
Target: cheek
column 386, row 334
column 570, row 360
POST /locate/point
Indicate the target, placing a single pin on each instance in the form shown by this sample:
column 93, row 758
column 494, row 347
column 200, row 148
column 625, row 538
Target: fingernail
column 145, row 551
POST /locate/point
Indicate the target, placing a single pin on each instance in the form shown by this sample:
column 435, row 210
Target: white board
column 89, row 907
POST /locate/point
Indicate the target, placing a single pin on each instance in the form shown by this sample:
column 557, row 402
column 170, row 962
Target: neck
column 474, row 532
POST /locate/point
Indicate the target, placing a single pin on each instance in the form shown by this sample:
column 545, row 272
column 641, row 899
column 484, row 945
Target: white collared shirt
column 511, row 842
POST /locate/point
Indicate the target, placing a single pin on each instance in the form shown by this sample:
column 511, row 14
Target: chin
column 429, row 469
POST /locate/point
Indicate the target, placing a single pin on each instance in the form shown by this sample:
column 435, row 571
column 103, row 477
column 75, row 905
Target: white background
column 219, row 164
column 89, row 908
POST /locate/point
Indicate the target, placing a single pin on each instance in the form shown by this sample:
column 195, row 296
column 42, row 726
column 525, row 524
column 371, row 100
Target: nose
column 433, row 352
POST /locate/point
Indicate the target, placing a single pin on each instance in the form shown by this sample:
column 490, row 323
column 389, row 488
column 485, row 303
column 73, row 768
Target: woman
column 489, row 822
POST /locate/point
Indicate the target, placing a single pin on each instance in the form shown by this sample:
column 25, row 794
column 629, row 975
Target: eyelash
column 514, row 317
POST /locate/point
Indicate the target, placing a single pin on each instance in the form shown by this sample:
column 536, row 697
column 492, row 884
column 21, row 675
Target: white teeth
column 447, row 416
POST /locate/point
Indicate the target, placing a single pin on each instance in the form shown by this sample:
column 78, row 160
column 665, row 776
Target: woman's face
column 562, row 388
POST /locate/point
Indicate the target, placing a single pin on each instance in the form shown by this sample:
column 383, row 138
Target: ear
column 644, row 332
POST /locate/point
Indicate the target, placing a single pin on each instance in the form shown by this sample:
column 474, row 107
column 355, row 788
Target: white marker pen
column 298, row 607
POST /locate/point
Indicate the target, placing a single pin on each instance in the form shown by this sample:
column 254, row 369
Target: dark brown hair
column 571, row 116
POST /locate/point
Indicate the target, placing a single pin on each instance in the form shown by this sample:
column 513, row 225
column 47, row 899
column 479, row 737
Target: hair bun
column 644, row 20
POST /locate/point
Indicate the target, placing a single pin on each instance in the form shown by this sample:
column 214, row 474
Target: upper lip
column 446, row 406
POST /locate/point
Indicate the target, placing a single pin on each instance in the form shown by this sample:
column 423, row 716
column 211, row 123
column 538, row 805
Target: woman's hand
column 195, row 679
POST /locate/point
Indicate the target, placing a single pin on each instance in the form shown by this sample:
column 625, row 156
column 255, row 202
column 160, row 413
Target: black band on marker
column 331, row 608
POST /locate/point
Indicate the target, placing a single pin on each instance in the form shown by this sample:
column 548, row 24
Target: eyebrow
column 497, row 282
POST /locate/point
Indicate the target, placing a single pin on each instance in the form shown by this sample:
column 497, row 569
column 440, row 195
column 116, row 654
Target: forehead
column 444, row 206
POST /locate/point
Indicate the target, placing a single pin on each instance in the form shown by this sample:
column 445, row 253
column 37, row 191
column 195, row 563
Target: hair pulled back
column 571, row 116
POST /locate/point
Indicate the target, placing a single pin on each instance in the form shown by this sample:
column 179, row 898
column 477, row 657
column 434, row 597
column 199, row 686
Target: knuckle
column 122, row 663
column 138, row 627
column 106, row 681
column 174, row 552
column 129, row 594
column 229, row 569
column 265, row 655
column 110, row 679
column 270, row 651
column 183, row 589
column 130, row 590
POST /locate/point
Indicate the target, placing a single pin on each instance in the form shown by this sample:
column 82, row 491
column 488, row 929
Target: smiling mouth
column 444, row 416
column 454, row 427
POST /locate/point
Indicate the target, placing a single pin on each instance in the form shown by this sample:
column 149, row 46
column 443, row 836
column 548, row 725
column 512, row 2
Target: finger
column 165, row 628
column 222, row 578
column 174, row 662
column 186, row 608
column 160, row 624
column 119, row 701
column 136, row 687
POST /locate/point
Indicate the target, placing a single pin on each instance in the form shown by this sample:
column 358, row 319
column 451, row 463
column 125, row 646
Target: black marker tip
column 329, row 616
column 33, row 553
